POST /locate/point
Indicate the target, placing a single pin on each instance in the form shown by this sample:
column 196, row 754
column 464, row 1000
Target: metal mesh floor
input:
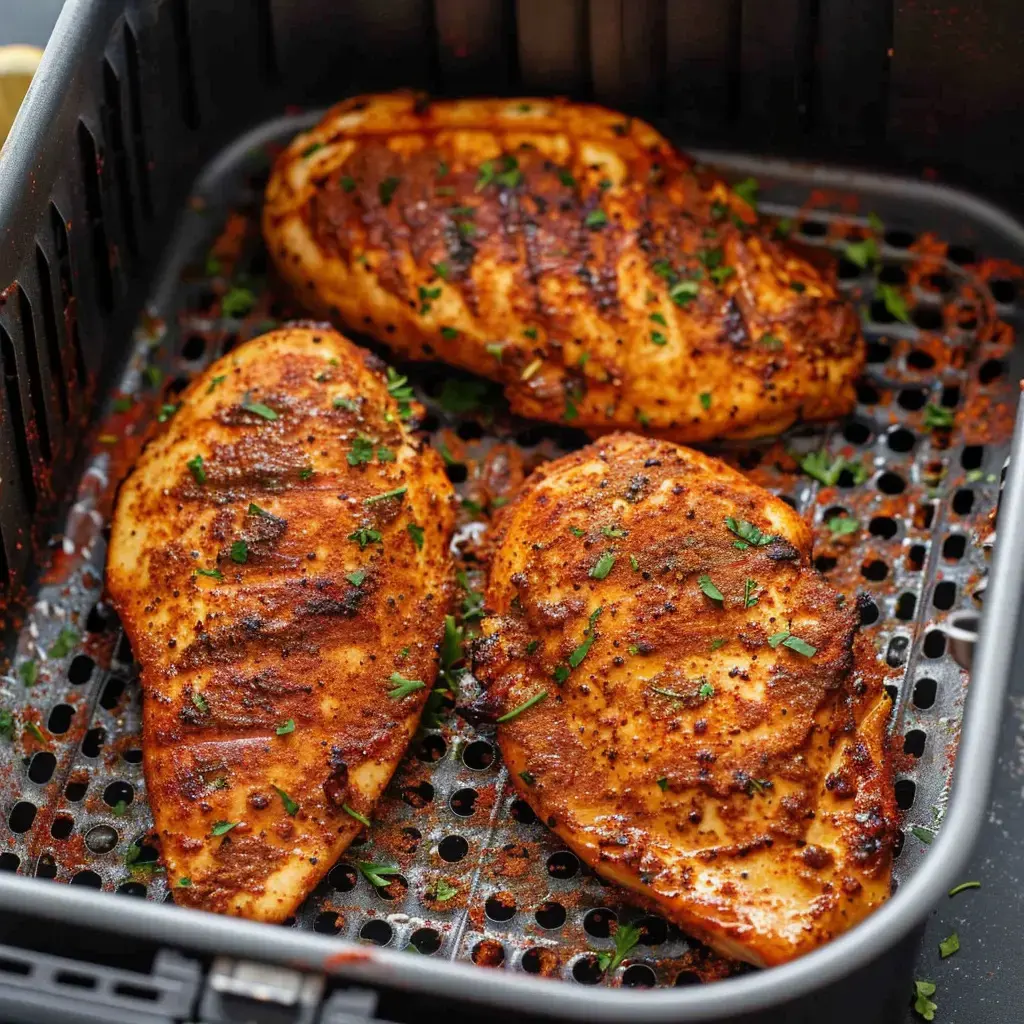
column 72, row 793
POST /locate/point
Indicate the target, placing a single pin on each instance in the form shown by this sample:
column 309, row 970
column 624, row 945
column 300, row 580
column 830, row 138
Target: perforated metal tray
column 74, row 803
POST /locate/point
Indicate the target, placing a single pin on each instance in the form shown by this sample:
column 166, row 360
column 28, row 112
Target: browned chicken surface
column 568, row 252
column 683, row 698
column 279, row 559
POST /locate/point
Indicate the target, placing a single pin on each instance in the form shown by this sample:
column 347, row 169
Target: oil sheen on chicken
column 568, row 252
column 279, row 559
column 685, row 700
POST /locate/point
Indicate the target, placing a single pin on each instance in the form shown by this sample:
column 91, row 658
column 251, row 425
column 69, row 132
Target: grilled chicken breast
column 566, row 251
column 279, row 559
column 682, row 698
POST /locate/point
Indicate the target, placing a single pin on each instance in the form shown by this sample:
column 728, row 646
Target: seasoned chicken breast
column 568, row 252
column 682, row 698
column 279, row 559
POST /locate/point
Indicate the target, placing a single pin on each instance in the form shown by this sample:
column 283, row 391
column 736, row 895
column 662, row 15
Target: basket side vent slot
column 52, row 335
column 186, row 66
column 131, row 62
column 18, row 424
column 36, row 386
column 113, row 126
column 265, row 43
column 89, row 158
column 68, row 306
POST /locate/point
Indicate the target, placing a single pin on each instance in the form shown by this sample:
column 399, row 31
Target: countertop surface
column 984, row 982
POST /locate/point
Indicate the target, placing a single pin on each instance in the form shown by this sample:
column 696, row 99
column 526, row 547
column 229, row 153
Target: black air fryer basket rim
column 24, row 167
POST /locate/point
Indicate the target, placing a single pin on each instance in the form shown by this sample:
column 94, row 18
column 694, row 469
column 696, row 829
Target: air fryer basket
column 86, row 240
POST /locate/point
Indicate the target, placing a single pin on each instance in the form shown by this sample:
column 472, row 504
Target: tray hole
column 847, row 270
column 586, row 970
column 883, row 526
column 376, row 931
column 186, row 72
column 912, row 399
column 971, row 457
column 47, row 867
column 791, row 501
column 22, row 815
column 19, row 427
column 93, row 741
column 825, row 563
column 327, row 923
column 9, row 966
column 133, row 991
column 131, row 50
column 113, row 130
column 113, row 691
column 923, row 515
column 418, row 796
column 74, row 980
column 919, row 359
column 868, row 610
column 945, row 595
column 488, row 953
column 891, row 483
column 927, row 318
column 75, row 790
column 97, row 619
column 814, row 228
column 133, row 755
column 41, row 769
column 878, row 352
column 431, row 749
column 522, row 812
column 89, row 160
column 563, row 864
column 1003, row 291
column 456, row 472
column 118, row 792
column 425, row 941
column 901, row 440
column 875, row 570
column 953, row 547
column 899, row 239
column 500, row 907
column 638, row 976
column 960, row 254
column 9, row 862
column 343, row 878
column 80, row 669
column 52, row 334
column 896, row 653
column 934, row 643
column 463, row 802
column 411, row 839
column 598, row 922
column 194, row 348
column 62, row 826
column 397, row 887
column 915, row 557
column 905, row 791
column 906, row 605
column 550, row 915
column 469, row 430
column 991, row 370
column 684, row 978
column 913, row 743
column 538, row 960
column 867, row 394
column 452, row 849
column 950, row 396
column 89, row 879
column 101, row 838
column 479, row 756
column 963, row 502
column 857, row 433
column 653, row 931
column 123, row 654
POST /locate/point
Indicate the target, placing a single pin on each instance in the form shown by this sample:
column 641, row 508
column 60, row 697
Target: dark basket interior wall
column 87, row 195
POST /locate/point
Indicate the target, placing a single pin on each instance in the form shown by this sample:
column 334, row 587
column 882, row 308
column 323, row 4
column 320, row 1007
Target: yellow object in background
column 17, row 66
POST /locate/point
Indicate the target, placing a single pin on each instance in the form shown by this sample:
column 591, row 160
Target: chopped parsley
column 747, row 191
column 361, row 451
column 221, row 828
column 566, row 178
column 153, row 375
column 286, row 727
column 923, row 1004
column 947, row 947
column 401, row 392
column 863, row 254
column 442, row 270
column 184, row 882
column 937, row 417
column 528, row 777
column 386, row 190
column 771, row 342
column 363, row 536
column 214, row 574
column 894, row 303
column 526, row 705
column 613, row 532
column 659, row 318
column 530, row 332
column 386, row 496
column 827, row 470
column 926, row 835
column 603, row 566
column 64, row 644
column 215, row 382
column 427, row 295
column 239, row 551
column 706, row 691
column 705, row 584
column 759, row 786
column 124, row 403
column 462, row 396
column 197, row 469
column 311, row 149
column 237, row 302
column 167, row 410
column 290, row 806
column 442, row 891
column 634, row 563
column 683, row 293
column 748, row 533
column 403, row 687
column 345, row 403
column 663, row 784
column 532, row 646
column 200, row 702
column 450, row 333
column 416, row 532
column 356, row 578
column 376, row 874
column 705, row 400
column 963, row 887
column 625, row 938
column 6, row 724
column 842, row 525
column 589, row 635
column 258, row 409
column 596, row 219
column 794, row 643
column 255, row 510
column 361, row 818
column 577, row 532
column 658, row 338
column 35, row 732
column 28, row 672
column 749, row 597
column 347, row 182
column 717, row 643
column 305, row 473
column 473, row 602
